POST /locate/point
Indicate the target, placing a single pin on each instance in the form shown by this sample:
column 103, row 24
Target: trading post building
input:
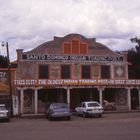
column 73, row 69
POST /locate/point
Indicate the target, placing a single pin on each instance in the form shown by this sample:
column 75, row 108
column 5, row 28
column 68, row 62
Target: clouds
column 26, row 24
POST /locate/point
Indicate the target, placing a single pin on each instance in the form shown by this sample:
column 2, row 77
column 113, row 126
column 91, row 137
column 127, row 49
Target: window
column 105, row 72
column 43, row 71
column 85, row 72
column 83, row 105
column 67, row 48
column 92, row 104
column 65, row 71
column 83, row 48
column 75, row 47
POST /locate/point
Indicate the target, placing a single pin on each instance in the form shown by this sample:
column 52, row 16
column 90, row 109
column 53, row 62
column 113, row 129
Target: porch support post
column 61, row 97
column 101, row 95
column 129, row 98
column 68, row 96
column 36, row 101
column 90, row 95
column 21, row 100
column 139, row 97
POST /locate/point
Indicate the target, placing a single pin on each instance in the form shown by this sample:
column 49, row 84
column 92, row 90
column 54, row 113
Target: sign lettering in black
column 53, row 57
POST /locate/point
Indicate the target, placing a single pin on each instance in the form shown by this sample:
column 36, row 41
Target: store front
column 73, row 69
column 7, row 90
column 35, row 100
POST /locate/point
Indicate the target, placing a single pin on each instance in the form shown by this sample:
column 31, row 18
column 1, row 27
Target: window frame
column 61, row 73
column 47, row 76
column 68, row 48
column 108, row 74
column 89, row 72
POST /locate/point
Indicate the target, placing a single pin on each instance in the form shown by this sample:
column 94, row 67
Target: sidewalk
column 42, row 115
column 32, row 116
column 121, row 111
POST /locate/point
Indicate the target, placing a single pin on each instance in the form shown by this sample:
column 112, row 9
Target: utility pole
column 5, row 44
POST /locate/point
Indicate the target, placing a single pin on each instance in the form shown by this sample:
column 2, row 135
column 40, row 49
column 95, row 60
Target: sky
column 25, row 24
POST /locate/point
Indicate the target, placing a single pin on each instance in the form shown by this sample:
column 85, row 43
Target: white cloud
column 26, row 24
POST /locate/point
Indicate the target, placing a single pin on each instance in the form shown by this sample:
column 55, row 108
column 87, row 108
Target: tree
column 3, row 62
column 136, row 40
column 134, row 59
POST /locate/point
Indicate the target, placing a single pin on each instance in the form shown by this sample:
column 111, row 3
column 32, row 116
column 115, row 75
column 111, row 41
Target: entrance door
column 46, row 96
column 28, row 101
column 134, row 99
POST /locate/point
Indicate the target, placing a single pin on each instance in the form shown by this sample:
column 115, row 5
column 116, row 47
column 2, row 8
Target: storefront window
column 105, row 72
column 65, row 71
column 43, row 71
column 85, row 71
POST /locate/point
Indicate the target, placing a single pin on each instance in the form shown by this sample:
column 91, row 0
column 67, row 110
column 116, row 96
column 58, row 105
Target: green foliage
column 137, row 41
column 134, row 59
column 134, row 64
column 3, row 62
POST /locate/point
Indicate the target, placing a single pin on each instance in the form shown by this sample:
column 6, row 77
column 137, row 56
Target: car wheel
column 69, row 118
column 8, row 120
column 46, row 116
column 50, row 118
column 76, row 113
column 100, row 115
column 85, row 115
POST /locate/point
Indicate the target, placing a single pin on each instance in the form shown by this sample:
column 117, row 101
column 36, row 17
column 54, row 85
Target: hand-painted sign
column 78, row 58
column 77, row 82
column 2, row 74
column 4, row 85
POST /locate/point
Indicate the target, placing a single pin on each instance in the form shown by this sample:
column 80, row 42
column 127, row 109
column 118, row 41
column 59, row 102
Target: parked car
column 90, row 108
column 58, row 110
column 4, row 113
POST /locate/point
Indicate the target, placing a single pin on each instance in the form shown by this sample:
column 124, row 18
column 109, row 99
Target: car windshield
column 59, row 105
column 92, row 104
column 2, row 108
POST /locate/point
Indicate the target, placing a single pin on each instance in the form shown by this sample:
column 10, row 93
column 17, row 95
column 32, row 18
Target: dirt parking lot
column 123, row 126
